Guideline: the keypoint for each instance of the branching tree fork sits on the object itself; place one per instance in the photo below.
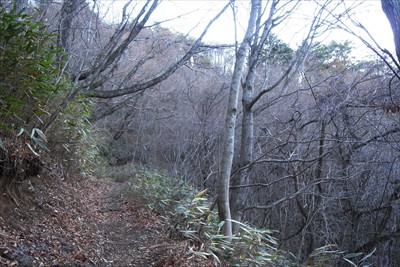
(90, 79)
(263, 19)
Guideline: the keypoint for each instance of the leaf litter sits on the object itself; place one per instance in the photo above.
(86, 223)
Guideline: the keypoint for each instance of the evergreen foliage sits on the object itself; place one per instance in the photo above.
(334, 55)
(276, 51)
(32, 87)
(30, 78)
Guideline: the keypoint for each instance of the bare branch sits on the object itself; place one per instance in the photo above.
(376, 138)
(142, 86)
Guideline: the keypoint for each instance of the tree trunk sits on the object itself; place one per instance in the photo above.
(68, 11)
(392, 11)
(247, 138)
(246, 155)
(90, 81)
(230, 123)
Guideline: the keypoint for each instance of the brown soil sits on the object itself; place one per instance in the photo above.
(87, 223)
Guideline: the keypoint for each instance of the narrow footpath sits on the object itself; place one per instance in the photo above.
(88, 223)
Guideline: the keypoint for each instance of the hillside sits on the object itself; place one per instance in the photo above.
(132, 143)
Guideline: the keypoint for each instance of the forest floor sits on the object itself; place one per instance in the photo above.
(85, 223)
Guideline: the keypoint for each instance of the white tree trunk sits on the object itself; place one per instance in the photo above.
(392, 11)
(230, 123)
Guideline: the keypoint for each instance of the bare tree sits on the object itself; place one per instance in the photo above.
(255, 89)
(229, 138)
(90, 74)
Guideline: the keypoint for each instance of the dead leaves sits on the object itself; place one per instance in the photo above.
(88, 224)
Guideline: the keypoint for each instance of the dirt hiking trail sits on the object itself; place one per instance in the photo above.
(89, 223)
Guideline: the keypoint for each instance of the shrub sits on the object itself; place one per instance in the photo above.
(191, 217)
(72, 139)
(29, 82)
(30, 78)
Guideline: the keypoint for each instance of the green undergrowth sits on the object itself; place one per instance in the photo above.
(73, 140)
(191, 216)
(41, 124)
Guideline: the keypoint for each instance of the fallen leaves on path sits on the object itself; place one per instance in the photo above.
(87, 223)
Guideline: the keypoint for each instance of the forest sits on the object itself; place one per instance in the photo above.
(259, 152)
